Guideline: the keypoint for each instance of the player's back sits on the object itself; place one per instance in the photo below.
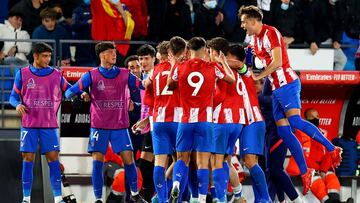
(251, 101)
(196, 88)
(165, 100)
(232, 105)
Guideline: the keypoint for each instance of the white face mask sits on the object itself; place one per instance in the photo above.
(211, 4)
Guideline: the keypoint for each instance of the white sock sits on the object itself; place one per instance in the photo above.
(134, 193)
(27, 199)
(99, 199)
(57, 199)
(194, 199)
(176, 184)
(202, 198)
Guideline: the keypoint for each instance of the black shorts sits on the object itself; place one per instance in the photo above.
(146, 144)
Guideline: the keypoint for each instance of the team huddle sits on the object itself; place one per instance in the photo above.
(195, 104)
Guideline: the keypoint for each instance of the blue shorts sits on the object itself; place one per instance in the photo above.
(225, 136)
(99, 140)
(164, 137)
(252, 139)
(48, 137)
(285, 98)
(194, 137)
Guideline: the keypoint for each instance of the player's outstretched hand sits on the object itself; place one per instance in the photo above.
(21, 109)
(85, 96)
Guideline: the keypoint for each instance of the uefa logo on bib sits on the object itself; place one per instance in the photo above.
(31, 83)
(100, 85)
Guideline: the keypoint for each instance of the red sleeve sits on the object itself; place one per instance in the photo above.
(219, 70)
(274, 38)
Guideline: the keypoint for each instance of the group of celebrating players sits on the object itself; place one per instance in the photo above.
(196, 102)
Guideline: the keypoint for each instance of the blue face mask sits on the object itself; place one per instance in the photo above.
(284, 6)
(211, 4)
(87, 2)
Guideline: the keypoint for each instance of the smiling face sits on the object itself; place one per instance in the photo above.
(147, 62)
(248, 24)
(134, 67)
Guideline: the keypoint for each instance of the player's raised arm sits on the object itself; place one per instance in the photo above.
(229, 76)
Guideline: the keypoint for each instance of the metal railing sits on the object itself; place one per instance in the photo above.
(57, 54)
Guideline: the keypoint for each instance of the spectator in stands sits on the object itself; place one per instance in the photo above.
(50, 30)
(177, 21)
(60, 19)
(324, 23)
(30, 9)
(285, 16)
(139, 13)
(133, 64)
(230, 10)
(209, 21)
(156, 19)
(81, 27)
(14, 52)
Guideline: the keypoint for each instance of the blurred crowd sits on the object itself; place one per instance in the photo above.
(308, 23)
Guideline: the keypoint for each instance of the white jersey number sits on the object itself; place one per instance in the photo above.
(166, 90)
(198, 84)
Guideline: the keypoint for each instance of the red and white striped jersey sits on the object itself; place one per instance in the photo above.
(166, 102)
(268, 39)
(196, 82)
(251, 101)
(228, 102)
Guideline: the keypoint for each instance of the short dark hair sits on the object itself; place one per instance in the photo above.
(103, 46)
(177, 44)
(196, 43)
(48, 13)
(251, 12)
(238, 51)
(130, 58)
(146, 49)
(41, 47)
(308, 110)
(163, 47)
(17, 13)
(219, 44)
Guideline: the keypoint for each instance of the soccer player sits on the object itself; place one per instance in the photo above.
(133, 64)
(269, 47)
(252, 137)
(278, 180)
(196, 82)
(110, 94)
(229, 118)
(36, 95)
(147, 57)
(166, 118)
